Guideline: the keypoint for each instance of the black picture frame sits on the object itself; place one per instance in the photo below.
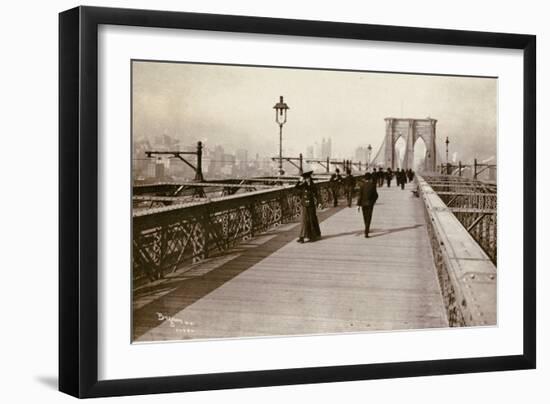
(78, 200)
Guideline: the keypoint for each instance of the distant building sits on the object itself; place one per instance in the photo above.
(229, 166)
(318, 151)
(215, 161)
(241, 157)
(140, 162)
(326, 149)
(362, 154)
(160, 170)
(165, 142)
(150, 169)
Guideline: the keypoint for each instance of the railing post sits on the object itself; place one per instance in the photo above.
(301, 164)
(198, 173)
(475, 169)
(328, 165)
(460, 168)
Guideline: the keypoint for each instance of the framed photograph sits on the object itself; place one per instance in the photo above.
(250, 201)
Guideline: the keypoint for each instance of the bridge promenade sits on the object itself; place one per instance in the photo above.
(270, 285)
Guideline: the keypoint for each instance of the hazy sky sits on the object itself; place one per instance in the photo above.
(233, 106)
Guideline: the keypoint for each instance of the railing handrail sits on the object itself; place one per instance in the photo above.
(218, 200)
(469, 290)
(209, 201)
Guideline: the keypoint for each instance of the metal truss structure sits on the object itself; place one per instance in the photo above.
(474, 203)
(476, 169)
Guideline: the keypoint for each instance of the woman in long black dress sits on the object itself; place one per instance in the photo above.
(310, 224)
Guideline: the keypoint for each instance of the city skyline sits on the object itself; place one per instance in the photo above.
(231, 106)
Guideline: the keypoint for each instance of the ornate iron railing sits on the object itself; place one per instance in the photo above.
(474, 203)
(165, 238)
(466, 274)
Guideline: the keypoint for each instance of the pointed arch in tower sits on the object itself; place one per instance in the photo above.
(411, 130)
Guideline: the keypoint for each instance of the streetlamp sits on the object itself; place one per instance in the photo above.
(280, 118)
(447, 154)
(369, 148)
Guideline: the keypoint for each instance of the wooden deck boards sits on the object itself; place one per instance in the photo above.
(275, 286)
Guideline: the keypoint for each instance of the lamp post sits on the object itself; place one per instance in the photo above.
(369, 148)
(280, 118)
(447, 153)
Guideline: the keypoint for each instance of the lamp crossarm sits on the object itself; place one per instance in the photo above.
(485, 167)
(322, 163)
(174, 155)
(288, 159)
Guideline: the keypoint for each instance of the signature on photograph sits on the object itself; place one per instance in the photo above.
(180, 325)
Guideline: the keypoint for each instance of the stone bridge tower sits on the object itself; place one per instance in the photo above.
(411, 130)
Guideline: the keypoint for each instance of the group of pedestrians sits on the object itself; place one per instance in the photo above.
(401, 176)
(337, 181)
(366, 197)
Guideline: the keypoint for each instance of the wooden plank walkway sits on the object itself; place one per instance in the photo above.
(275, 286)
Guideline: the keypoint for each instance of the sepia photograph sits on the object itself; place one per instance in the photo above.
(282, 201)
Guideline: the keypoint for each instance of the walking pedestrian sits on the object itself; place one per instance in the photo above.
(308, 199)
(335, 181)
(366, 199)
(402, 178)
(349, 186)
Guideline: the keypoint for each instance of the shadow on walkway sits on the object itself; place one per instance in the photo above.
(347, 233)
(381, 232)
(188, 291)
(373, 232)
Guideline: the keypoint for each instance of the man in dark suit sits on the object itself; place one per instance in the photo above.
(376, 176)
(366, 199)
(381, 177)
(349, 186)
(402, 178)
(335, 181)
(389, 176)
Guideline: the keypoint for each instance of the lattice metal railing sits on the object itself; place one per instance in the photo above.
(474, 203)
(168, 237)
(466, 273)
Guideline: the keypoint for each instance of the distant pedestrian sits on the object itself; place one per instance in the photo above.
(335, 182)
(308, 199)
(381, 177)
(389, 176)
(349, 186)
(366, 199)
(402, 178)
